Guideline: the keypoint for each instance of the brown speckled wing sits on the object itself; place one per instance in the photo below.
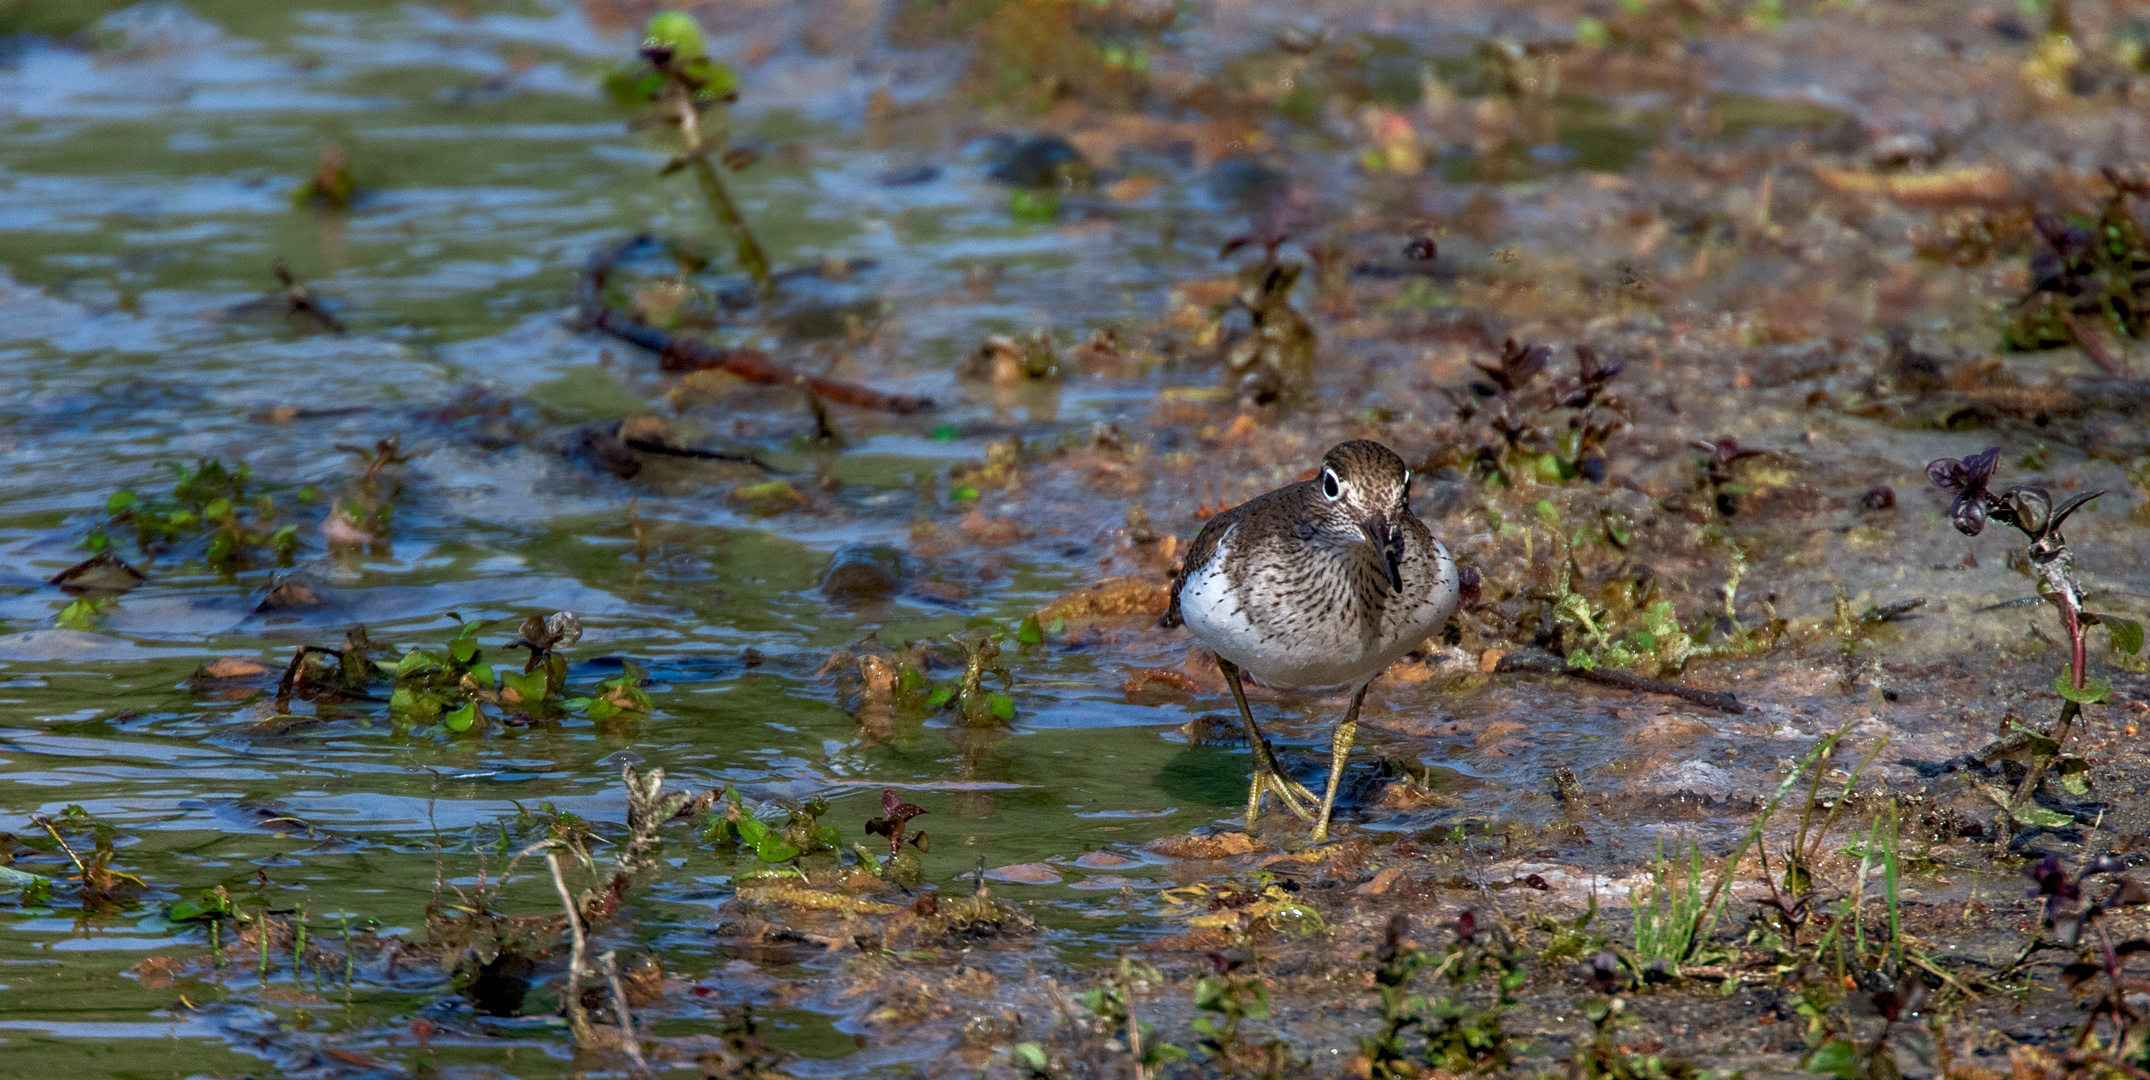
(1198, 555)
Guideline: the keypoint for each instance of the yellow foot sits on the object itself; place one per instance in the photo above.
(1267, 782)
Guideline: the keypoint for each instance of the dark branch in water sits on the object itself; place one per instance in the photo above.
(1621, 680)
(684, 354)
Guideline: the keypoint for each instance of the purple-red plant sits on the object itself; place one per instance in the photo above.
(895, 815)
(2031, 511)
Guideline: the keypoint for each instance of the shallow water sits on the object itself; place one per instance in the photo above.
(143, 195)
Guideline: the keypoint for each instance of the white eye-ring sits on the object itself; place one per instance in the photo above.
(1330, 486)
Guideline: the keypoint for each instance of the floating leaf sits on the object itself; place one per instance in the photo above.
(1030, 633)
(80, 614)
(462, 719)
(773, 848)
(517, 688)
(1003, 706)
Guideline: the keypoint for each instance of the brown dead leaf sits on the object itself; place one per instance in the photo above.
(990, 531)
(1382, 882)
(1215, 846)
(1110, 597)
(230, 667)
(1970, 184)
(1141, 678)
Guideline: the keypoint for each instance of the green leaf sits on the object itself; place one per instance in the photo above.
(2127, 633)
(1837, 1058)
(529, 689)
(940, 695)
(1547, 512)
(909, 680)
(81, 614)
(218, 509)
(2093, 692)
(463, 649)
(773, 848)
(1034, 206)
(482, 674)
(750, 829)
(416, 661)
(122, 501)
(1029, 632)
(2042, 817)
(1031, 1055)
(462, 719)
(963, 493)
(17, 879)
(1003, 706)
(678, 32)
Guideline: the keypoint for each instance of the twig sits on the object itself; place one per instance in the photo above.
(621, 1013)
(578, 1021)
(684, 354)
(1622, 680)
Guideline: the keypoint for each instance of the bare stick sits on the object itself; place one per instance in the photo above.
(620, 1012)
(1622, 680)
(685, 354)
(578, 1021)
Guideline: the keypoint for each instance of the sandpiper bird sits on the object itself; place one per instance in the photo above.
(1322, 583)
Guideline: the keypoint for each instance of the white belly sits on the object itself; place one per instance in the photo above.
(1284, 648)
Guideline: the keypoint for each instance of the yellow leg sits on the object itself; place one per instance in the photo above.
(1267, 775)
(1339, 753)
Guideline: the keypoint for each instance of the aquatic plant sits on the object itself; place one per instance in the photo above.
(1274, 363)
(2090, 278)
(98, 886)
(1113, 1003)
(2076, 921)
(1459, 1031)
(1552, 433)
(210, 502)
(1227, 998)
(331, 187)
(675, 81)
(2033, 512)
(737, 826)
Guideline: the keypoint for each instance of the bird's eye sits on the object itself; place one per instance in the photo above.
(1329, 485)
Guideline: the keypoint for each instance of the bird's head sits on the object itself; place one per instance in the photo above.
(1365, 486)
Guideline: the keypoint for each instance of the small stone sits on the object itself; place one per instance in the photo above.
(230, 667)
(1101, 859)
(1669, 731)
(1031, 873)
(1689, 777)
(863, 572)
(1382, 882)
(1218, 846)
